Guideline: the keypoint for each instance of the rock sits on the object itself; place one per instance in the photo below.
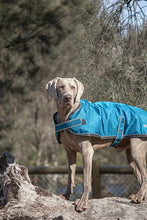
(115, 208)
(20, 200)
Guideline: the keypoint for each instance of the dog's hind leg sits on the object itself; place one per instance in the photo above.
(134, 166)
(138, 153)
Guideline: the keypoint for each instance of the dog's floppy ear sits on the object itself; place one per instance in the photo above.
(51, 88)
(80, 89)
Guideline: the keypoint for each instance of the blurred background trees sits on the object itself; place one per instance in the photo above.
(42, 39)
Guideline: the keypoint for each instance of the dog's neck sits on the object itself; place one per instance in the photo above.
(63, 112)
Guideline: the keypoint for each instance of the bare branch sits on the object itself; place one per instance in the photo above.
(126, 13)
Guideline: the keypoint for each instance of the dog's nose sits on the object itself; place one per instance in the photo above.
(67, 98)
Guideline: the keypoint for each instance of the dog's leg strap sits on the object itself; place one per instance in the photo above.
(120, 131)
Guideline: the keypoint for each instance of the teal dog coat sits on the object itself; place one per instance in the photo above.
(106, 120)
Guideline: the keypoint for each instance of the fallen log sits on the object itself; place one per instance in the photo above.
(20, 200)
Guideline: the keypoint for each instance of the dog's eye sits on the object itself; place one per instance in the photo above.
(61, 87)
(73, 87)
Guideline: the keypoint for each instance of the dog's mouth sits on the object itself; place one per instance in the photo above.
(67, 106)
(68, 101)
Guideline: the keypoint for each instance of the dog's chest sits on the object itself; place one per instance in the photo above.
(69, 141)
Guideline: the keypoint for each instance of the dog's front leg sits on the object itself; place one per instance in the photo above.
(87, 154)
(71, 155)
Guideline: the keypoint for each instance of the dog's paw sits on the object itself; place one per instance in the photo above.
(62, 196)
(80, 206)
(136, 198)
(77, 201)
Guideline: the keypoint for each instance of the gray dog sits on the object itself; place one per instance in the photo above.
(67, 93)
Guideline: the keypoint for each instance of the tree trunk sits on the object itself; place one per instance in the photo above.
(20, 200)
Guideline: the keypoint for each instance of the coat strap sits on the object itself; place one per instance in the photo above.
(120, 131)
(69, 124)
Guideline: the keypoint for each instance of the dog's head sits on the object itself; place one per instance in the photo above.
(65, 91)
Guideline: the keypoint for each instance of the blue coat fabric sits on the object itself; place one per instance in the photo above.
(106, 120)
